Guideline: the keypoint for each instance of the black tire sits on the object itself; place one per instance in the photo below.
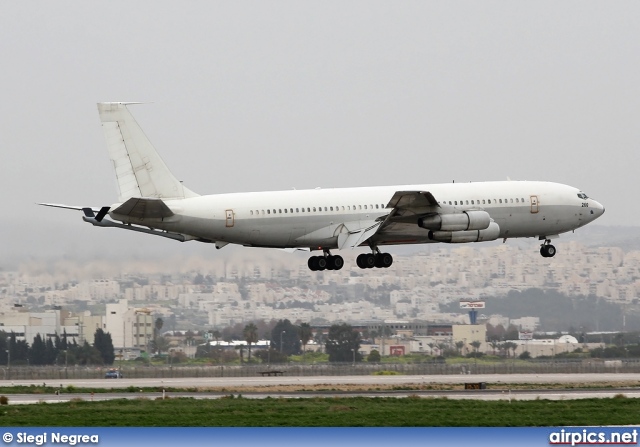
(369, 261)
(330, 264)
(543, 251)
(385, 260)
(360, 261)
(551, 251)
(338, 262)
(322, 263)
(312, 263)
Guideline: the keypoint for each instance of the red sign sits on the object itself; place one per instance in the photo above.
(396, 350)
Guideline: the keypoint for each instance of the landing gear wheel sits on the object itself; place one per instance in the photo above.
(322, 263)
(312, 263)
(360, 261)
(384, 260)
(330, 265)
(548, 251)
(369, 261)
(338, 262)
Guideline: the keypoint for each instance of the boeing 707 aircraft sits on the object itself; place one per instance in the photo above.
(151, 200)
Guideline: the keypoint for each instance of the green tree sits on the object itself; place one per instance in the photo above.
(374, 356)
(343, 343)
(103, 343)
(250, 334)
(305, 333)
(284, 338)
(158, 327)
(87, 355)
(38, 351)
(476, 345)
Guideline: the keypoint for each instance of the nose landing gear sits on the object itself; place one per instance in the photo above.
(547, 250)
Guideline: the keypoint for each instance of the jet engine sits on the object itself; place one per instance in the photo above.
(467, 220)
(455, 237)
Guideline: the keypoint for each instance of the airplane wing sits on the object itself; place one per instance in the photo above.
(405, 207)
(415, 200)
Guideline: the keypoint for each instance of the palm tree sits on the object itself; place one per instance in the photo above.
(250, 334)
(158, 326)
(476, 344)
(305, 333)
(459, 346)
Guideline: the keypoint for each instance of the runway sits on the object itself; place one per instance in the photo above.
(589, 386)
(229, 382)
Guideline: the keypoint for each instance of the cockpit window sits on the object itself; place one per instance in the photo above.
(582, 195)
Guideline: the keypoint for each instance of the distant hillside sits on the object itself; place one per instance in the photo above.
(559, 312)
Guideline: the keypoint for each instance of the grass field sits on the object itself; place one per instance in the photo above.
(412, 411)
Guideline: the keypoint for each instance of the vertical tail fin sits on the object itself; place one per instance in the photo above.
(140, 172)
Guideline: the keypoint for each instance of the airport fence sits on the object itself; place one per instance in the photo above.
(45, 373)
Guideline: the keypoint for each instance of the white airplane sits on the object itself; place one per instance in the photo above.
(151, 200)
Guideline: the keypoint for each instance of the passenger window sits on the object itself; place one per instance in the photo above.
(472, 202)
(251, 212)
(268, 211)
(510, 200)
(500, 200)
(365, 207)
(314, 209)
(280, 211)
(488, 201)
(376, 206)
(517, 200)
(325, 208)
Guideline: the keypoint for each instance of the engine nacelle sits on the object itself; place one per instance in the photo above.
(456, 237)
(467, 220)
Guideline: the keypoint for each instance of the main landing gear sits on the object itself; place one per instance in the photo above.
(371, 260)
(547, 250)
(325, 262)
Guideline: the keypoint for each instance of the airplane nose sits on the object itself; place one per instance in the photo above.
(598, 208)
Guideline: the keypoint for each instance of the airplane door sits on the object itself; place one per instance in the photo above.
(534, 204)
(229, 221)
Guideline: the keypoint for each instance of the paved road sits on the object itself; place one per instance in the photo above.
(215, 382)
(625, 384)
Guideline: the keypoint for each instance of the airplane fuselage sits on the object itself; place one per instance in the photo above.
(314, 218)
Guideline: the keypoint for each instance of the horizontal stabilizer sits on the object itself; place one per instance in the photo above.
(144, 209)
(88, 212)
(71, 207)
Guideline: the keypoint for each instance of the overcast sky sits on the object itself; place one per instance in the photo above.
(249, 96)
